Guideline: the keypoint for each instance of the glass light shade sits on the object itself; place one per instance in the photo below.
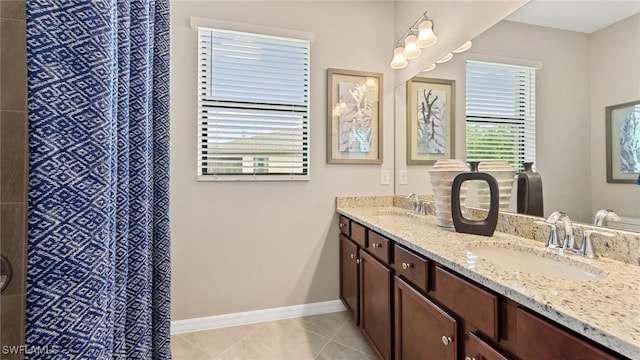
(464, 47)
(398, 62)
(445, 58)
(426, 37)
(430, 67)
(411, 49)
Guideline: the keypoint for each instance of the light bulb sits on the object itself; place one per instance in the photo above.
(445, 58)
(411, 50)
(426, 37)
(464, 47)
(398, 62)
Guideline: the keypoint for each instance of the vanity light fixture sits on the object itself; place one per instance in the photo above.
(412, 43)
(411, 49)
(398, 62)
(445, 58)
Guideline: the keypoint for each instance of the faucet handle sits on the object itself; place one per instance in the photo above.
(586, 248)
(552, 241)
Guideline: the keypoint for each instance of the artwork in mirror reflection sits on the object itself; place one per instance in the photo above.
(430, 107)
(432, 125)
(623, 142)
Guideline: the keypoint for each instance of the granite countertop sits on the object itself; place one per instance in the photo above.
(606, 311)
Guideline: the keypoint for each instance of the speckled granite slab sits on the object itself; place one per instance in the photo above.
(606, 311)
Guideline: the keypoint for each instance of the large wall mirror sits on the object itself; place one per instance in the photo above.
(581, 71)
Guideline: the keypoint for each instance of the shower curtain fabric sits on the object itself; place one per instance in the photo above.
(98, 267)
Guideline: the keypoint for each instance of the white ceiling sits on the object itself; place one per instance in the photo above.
(584, 16)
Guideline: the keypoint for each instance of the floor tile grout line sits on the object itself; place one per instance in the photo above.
(331, 339)
(242, 339)
(345, 345)
(195, 346)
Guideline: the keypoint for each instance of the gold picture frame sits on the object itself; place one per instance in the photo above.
(354, 117)
(430, 120)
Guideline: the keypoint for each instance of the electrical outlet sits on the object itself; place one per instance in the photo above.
(384, 177)
(402, 177)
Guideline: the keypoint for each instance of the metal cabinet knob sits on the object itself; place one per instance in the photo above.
(357, 261)
(353, 256)
(342, 225)
(446, 340)
(376, 245)
(469, 358)
(406, 266)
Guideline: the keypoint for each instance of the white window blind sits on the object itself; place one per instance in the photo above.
(500, 112)
(253, 106)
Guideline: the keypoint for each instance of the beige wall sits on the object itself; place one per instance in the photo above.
(615, 79)
(244, 246)
(562, 95)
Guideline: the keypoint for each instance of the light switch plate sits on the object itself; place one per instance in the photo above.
(402, 177)
(384, 177)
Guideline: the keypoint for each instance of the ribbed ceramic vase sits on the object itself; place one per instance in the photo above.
(504, 174)
(442, 174)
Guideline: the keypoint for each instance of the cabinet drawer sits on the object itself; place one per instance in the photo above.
(358, 234)
(538, 339)
(345, 225)
(411, 267)
(470, 302)
(483, 351)
(378, 246)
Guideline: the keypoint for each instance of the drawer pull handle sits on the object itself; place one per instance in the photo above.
(376, 245)
(446, 340)
(353, 256)
(406, 266)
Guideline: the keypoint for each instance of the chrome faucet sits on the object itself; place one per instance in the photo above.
(605, 215)
(569, 241)
(417, 206)
(553, 241)
(586, 248)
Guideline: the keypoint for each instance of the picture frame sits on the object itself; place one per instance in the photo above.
(354, 117)
(622, 134)
(430, 120)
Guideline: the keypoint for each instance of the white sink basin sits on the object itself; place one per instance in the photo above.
(536, 262)
(395, 215)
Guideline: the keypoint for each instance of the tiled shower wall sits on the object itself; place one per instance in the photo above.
(13, 168)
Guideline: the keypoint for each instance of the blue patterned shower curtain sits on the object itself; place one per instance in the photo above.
(98, 268)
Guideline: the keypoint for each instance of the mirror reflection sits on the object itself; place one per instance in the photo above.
(577, 74)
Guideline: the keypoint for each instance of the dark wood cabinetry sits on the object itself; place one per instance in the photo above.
(375, 304)
(349, 293)
(410, 307)
(423, 329)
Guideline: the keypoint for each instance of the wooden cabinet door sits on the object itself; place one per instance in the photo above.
(483, 351)
(423, 330)
(349, 276)
(375, 304)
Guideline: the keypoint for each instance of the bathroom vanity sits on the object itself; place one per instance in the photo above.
(418, 292)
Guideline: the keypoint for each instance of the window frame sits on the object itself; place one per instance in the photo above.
(196, 24)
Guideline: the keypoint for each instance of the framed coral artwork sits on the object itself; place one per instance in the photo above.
(354, 117)
(623, 142)
(430, 120)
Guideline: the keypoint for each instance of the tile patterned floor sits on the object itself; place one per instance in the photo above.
(324, 337)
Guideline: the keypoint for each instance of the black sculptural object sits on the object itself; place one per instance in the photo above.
(484, 227)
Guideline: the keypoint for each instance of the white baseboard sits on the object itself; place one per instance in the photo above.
(257, 316)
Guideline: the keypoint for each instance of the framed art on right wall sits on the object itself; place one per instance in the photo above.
(623, 142)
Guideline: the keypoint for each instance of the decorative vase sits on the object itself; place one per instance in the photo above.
(486, 226)
(504, 174)
(530, 192)
(442, 174)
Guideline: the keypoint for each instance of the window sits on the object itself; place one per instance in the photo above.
(500, 112)
(253, 106)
